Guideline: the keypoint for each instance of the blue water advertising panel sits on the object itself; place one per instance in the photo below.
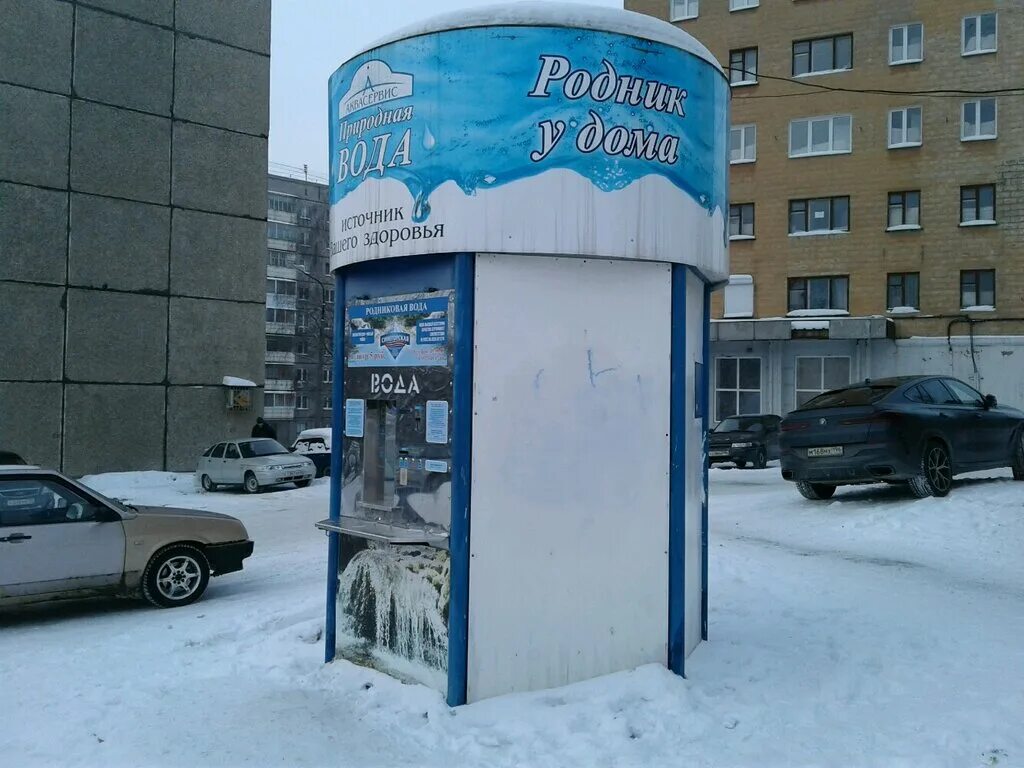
(528, 140)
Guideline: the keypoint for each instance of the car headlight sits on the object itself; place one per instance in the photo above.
(276, 467)
(741, 445)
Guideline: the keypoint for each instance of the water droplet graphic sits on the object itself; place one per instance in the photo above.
(428, 138)
(488, 179)
(573, 123)
(421, 209)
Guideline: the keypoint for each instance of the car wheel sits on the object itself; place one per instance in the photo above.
(761, 461)
(251, 484)
(1018, 458)
(740, 464)
(175, 576)
(208, 484)
(816, 491)
(936, 477)
(302, 483)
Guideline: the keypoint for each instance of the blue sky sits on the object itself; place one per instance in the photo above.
(309, 40)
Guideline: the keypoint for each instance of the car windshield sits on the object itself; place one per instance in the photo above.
(739, 424)
(865, 394)
(265, 447)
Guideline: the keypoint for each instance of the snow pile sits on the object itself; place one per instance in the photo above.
(871, 630)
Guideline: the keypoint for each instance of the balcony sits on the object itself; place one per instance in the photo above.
(279, 357)
(280, 412)
(280, 301)
(279, 385)
(284, 273)
(287, 329)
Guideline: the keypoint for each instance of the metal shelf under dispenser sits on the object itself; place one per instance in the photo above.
(377, 531)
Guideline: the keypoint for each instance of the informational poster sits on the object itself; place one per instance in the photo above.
(405, 333)
(437, 421)
(529, 139)
(355, 416)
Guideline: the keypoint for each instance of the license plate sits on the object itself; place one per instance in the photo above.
(20, 502)
(830, 450)
(716, 454)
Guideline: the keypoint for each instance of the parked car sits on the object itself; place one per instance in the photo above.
(253, 463)
(60, 539)
(921, 430)
(749, 439)
(315, 444)
(11, 458)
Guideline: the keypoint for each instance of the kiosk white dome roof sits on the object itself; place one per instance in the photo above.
(533, 13)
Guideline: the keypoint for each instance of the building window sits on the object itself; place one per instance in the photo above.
(743, 66)
(280, 203)
(277, 230)
(279, 258)
(278, 399)
(303, 291)
(905, 127)
(737, 386)
(328, 376)
(906, 44)
(977, 288)
(276, 287)
(820, 136)
(979, 34)
(815, 375)
(327, 403)
(302, 347)
(742, 5)
(329, 295)
(327, 267)
(302, 402)
(681, 10)
(819, 216)
(301, 375)
(819, 293)
(904, 210)
(742, 144)
(739, 296)
(978, 120)
(903, 290)
(280, 315)
(978, 204)
(822, 55)
(741, 221)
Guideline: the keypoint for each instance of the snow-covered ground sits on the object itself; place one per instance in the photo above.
(872, 630)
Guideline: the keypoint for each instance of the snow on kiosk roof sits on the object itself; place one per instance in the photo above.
(543, 14)
(527, 219)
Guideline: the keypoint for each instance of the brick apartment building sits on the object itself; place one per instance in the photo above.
(876, 190)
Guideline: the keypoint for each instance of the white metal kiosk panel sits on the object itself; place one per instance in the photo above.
(570, 471)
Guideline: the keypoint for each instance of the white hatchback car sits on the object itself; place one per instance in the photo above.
(253, 464)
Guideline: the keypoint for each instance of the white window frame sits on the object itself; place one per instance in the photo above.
(753, 221)
(903, 208)
(691, 10)
(964, 135)
(978, 222)
(963, 34)
(888, 128)
(893, 61)
(744, 70)
(734, 388)
(742, 5)
(744, 144)
(302, 402)
(301, 376)
(810, 132)
(821, 374)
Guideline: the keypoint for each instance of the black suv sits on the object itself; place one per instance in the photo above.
(751, 439)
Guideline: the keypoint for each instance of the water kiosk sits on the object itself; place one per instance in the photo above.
(527, 218)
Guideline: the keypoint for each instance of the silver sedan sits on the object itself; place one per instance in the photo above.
(253, 464)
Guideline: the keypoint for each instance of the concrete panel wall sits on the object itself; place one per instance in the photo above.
(100, 102)
(196, 418)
